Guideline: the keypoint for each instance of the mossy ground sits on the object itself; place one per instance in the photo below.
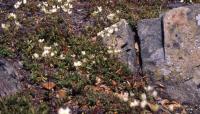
(78, 82)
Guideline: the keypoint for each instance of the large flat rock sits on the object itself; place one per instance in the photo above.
(119, 39)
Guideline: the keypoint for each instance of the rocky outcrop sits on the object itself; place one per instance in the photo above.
(170, 51)
(119, 39)
(9, 78)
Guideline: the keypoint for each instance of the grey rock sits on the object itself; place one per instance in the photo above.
(151, 44)
(177, 67)
(9, 78)
(119, 38)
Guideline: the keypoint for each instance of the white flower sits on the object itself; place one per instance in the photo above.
(47, 48)
(52, 54)
(134, 103)
(84, 60)
(143, 96)
(45, 4)
(125, 97)
(12, 15)
(116, 29)
(69, 12)
(46, 51)
(111, 16)
(44, 10)
(5, 26)
(110, 30)
(54, 10)
(107, 28)
(17, 24)
(59, 1)
(39, 5)
(98, 80)
(58, 7)
(41, 40)
(99, 9)
(154, 93)
(64, 111)
(70, 6)
(114, 25)
(66, 4)
(17, 4)
(62, 56)
(143, 104)
(93, 62)
(24, 1)
(55, 44)
(117, 50)
(108, 35)
(35, 55)
(83, 52)
(92, 56)
(100, 34)
(73, 55)
(148, 88)
(110, 51)
(77, 63)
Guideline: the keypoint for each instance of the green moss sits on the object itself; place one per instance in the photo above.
(4, 52)
(20, 104)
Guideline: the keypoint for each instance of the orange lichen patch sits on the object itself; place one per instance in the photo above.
(48, 85)
(61, 93)
(178, 16)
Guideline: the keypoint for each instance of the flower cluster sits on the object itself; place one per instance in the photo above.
(113, 50)
(111, 16)
(99, 10)
(19, 3)
(11, 17)
(84, 60)
(64, 111)
(47, 51)
(108, 31)
(5, 26)
(64, 5)
(142, 101)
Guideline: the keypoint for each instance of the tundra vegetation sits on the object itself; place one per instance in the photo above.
(57, 43)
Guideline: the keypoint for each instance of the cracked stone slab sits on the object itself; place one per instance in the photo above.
(120, 39)
(9, 78)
